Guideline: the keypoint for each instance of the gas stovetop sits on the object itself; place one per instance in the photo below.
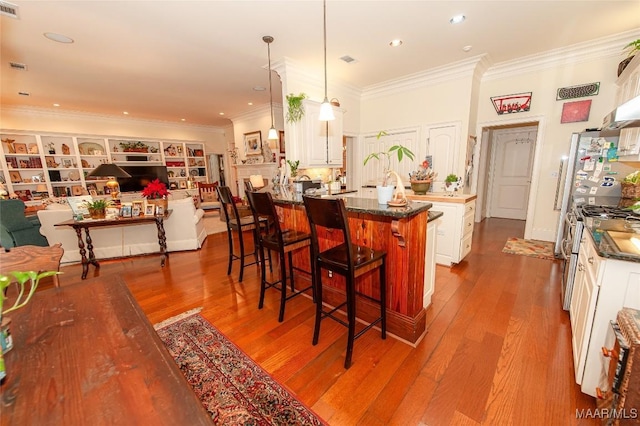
(605, 212)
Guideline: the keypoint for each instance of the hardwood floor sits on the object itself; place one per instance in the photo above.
(497, 350)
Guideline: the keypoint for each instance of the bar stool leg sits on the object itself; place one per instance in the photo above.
(383, 300)
(283, 284)
(241, 239)
(263, 277)
(230, 238)
(317, 284)
(351, 318)
(291, 271)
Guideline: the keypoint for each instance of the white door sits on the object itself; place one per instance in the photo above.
(512, 162)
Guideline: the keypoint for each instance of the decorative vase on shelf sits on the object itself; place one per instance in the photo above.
(162, 202)
(99, 213)
(420, 187)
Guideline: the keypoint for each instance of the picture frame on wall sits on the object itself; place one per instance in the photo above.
(253, 143)
(15, 177)
(20, 148)
(281, 141)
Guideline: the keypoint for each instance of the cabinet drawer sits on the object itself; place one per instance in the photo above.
(468, 224)
(470, 208)
(465, 246)
(591, 259)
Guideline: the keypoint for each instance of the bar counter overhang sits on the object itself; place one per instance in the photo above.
(400, 231)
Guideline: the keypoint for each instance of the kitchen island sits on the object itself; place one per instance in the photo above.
(400, 231)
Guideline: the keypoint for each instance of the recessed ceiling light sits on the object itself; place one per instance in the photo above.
(259, 88)
(250, 103)
(58, 37)
(467, 48)
(125, 112)
(221, 113)
(395, 43)
(56, 105)
(457, 19)
(183, 119)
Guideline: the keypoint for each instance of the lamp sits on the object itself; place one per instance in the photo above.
(111, 172)
(257, 181)
(273, 134)
(326, 112)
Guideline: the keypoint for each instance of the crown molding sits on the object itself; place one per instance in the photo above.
(453, 71)
(605, 47)
(256, 112)
(49, 112)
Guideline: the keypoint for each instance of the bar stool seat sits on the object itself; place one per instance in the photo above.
(283, 241)
(346, 259)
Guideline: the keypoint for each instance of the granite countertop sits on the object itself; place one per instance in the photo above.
(356, 204)
(604, 241)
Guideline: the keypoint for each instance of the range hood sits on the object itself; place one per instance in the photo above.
(626, 115)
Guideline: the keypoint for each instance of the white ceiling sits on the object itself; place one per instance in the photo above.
(173, 60)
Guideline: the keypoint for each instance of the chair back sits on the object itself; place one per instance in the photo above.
(207, 191)
(248, 186)
(264, 210)
(327, 213)
(226, 201)
(16, 229)
(32, 258)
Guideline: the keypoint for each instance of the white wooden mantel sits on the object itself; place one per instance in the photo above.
(243, 171)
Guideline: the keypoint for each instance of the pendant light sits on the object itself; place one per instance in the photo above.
(273, 134)
(326, 111)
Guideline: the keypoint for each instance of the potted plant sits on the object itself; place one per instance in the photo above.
(23, 298)
(632, 48)
(451, 182)
(293, 166)
(134, 146)
(385, 191)
(421, 179)
(295, 108)
(98, 208)
(156, 193)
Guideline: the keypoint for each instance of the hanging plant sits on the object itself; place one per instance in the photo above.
(295, 110)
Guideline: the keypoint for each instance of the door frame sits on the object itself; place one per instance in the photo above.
(482, 180)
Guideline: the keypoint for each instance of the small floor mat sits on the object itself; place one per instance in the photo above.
(532, 248)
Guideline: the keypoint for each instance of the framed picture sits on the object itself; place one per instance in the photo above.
(281, 141)
(253, 143)
(159, 211)
(576, 111)
(139, 204)
(150, 210)
(77, 189)
(125, 210)
(93, 192)
(15, 177)
(135, 211)
(183, 184)
(51, 162)
(20, 148)
(33, 148)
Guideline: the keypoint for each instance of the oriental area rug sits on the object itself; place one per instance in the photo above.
(232, 387)
(532, 248)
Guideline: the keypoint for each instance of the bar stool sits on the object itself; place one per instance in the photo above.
(238, 224)
(346, 259)
(283, 241)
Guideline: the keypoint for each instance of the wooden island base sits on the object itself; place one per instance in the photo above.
(403, 238)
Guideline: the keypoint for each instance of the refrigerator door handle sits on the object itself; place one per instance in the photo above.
(558, 186)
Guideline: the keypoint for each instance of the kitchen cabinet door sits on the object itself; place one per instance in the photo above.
(321, 145)
(443, 145)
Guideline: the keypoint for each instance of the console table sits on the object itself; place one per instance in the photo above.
(79, 225)
(85, 354)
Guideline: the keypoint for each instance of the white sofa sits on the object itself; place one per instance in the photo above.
(184, 230)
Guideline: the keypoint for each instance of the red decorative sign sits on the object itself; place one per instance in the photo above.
(509, 104)
(573, 112)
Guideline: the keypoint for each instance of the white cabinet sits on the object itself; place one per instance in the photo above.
(443, 145)
(430, 263)
(316, 143)
(603, 287)
(454, 233)
(629, 82)
(629, 144)
(372, 173)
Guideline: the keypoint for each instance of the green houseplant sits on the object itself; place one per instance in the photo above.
(295, 108)
(631, 49)
(134, 146)
(385, 191)
(293, 166)
(451, 182)
(421, 178)
(98, 208)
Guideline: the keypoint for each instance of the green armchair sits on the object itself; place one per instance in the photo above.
(16, 229)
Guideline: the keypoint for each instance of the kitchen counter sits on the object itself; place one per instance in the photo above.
(614, 238)
(445, 197)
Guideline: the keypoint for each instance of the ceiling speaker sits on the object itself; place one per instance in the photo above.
(580, 91)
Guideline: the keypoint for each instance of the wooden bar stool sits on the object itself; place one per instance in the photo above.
(346, 259)
(282, 241)
(238, 224)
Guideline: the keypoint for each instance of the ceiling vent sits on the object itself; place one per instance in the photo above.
(8, 9)
(24, 93)
(348, 59)
(17, 66)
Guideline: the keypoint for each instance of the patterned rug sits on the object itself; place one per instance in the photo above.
(232, 388)
(532, 248)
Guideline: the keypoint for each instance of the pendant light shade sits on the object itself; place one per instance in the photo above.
(273, 134)
(326, 111)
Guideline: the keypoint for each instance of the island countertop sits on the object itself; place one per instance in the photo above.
(357, 205)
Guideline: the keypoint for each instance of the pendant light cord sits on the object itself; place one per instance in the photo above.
(268, 40)
(324, 4)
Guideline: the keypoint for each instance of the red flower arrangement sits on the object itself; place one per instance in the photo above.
(155, 190)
